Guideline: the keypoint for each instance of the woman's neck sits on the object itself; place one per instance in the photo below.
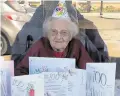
(58, 50)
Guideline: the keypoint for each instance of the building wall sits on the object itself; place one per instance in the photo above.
(116, 5)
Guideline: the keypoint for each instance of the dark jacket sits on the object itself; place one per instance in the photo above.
(42, 48)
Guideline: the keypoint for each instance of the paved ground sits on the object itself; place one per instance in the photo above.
(109, 29)
(100, 23)
(112, 39)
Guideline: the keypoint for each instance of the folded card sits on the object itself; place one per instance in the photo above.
(5, 86)
(41, 64)
(56, 83)
(28, 85)
(6, 71)
(77, 82)
(1, 59)
(101, 79)
(10, 65)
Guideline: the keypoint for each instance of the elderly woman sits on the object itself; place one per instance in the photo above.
(58, 42)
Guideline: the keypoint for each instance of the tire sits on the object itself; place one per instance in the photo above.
(4, 44)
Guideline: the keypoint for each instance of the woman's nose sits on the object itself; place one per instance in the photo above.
(58, 36)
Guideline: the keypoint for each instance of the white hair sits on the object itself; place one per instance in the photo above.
(73, 26)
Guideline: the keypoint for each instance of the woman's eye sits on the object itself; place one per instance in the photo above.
(64, 33)
(54, 32)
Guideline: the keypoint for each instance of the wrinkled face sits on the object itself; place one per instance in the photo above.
(59, 35)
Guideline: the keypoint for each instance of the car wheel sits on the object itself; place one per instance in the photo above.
(4, 45)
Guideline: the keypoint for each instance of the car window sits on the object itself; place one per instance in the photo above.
(16, 6)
